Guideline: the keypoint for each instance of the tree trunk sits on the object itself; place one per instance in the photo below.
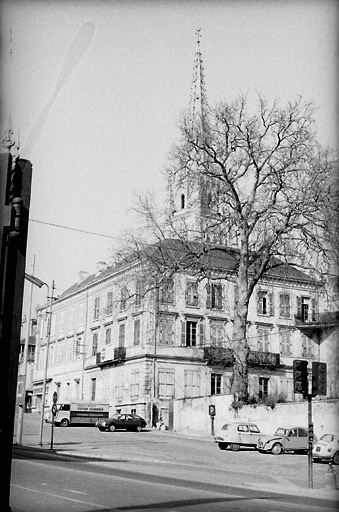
(240, 344)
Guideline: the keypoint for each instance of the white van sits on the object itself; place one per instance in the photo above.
(78, 413)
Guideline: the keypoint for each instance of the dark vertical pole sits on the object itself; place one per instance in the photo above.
(212, 425)
(15, 181)
(310, 442)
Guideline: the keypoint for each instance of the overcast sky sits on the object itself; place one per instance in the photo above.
(106, 121)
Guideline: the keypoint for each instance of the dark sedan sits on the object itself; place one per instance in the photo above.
(121, 422)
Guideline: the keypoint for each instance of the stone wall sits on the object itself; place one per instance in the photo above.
(192, 414)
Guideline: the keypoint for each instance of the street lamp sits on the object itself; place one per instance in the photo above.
(37, 282)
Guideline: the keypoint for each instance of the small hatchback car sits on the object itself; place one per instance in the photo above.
(327, 448)
(121, 422)
(234, 435)
(284, 440)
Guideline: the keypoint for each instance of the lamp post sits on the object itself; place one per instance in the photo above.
(24, 364)
(43, 398)
(37, 282)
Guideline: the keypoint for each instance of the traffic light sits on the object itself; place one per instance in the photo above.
(300, 380)
(319, 378)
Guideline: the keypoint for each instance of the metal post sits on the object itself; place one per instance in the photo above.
(52, 430)
(310, 442)
(24, 364)
(46, 363)
(212, 425)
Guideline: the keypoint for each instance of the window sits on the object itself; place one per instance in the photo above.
(192, 296)
(123, 299)
(166, 331)
(214, 296)
(134, 385)
(108, 336)
(284, 305)
(166, 384)
(263, 339)
(94, 344)
(216, 383)
(217, 333)
(265, 303)
(306, 309)
(62, 322)
(307, 346)
(93, 388)
(136, 338)
(285, 342)
(189, 333)
(139, 291)
(96, 308)
(121, 335)
(243, 428)
(167, 291)
(109, 309)
(263, 386)
(81, 312)
(191, 383)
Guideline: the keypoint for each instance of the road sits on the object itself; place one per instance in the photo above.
(45, 481)
(155, 470)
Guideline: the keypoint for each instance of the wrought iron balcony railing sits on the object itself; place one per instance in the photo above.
(222, 356)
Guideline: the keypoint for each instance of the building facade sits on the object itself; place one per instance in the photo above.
(139, 350)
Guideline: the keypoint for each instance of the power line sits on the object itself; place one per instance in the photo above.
(75, 229)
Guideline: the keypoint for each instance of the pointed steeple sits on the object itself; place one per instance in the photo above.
(198, 106)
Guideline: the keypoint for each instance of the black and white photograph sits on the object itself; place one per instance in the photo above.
(169, 266)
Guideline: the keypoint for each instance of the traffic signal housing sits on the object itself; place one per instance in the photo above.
(319, 378)
(300, 380)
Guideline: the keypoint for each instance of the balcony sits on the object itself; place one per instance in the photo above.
(222, 356)
(111, 355)
(318, 322)
(120, 354)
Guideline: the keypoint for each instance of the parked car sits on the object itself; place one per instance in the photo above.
(327, 448)
(121, 422)
(234, 435)
(284, 440)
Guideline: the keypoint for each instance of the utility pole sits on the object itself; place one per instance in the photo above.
(49, 321)
(24, 365)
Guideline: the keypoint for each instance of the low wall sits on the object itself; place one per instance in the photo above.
(192, 414)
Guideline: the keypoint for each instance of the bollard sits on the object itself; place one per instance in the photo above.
(330, 478)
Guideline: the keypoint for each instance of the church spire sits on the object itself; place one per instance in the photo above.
(198, 98)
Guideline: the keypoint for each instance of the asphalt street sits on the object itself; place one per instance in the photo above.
(156, 470)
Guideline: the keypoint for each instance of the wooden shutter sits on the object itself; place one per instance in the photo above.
(208, 296)
(271, 303)
(299, 314)
(201, 333)
(183, 333)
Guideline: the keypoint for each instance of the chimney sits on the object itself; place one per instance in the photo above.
(82, 275)
(101, 267)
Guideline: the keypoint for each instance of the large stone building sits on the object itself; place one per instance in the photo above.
(111, 342)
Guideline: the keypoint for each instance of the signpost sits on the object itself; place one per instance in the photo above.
(54, 411)
(211, 411)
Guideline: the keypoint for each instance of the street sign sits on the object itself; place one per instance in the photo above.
(211, 410)
(55, 397)
(54, 409)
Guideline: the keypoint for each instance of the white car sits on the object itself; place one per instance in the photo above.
(327, 448)
(234, 435)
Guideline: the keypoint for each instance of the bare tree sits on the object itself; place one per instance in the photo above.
(262, 187)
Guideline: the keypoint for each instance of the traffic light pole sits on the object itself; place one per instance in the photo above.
(310, 442)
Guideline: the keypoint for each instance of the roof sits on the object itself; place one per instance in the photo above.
(182, 256)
